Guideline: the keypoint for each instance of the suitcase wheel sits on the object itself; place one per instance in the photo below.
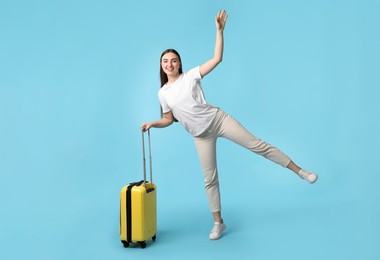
(142, 244)
(154, 238)
(125, 244)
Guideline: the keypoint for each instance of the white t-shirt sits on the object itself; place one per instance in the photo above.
(185, 99)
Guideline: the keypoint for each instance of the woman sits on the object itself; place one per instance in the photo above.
(182, 99)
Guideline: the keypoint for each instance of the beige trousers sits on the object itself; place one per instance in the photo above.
(225, 126)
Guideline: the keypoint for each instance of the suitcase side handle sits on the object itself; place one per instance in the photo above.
(149, 190)
(150, 157)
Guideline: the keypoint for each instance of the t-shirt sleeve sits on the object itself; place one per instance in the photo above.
(195, 73)
(164, 105)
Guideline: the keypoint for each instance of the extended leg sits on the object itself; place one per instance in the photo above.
(234, 131)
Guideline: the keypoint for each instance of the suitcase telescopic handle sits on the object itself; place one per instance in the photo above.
(150, 158)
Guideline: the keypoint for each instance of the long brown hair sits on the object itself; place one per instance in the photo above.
(163, 77)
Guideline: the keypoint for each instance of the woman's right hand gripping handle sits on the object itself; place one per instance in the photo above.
(146, 126)
(165, 121)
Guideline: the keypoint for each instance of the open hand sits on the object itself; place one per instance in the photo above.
(220, 20)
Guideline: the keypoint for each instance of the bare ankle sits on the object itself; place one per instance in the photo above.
(217, 217)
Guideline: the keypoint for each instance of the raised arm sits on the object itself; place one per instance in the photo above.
(208, 66)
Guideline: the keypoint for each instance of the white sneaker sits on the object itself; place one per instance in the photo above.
(217, 230)
(309, 176)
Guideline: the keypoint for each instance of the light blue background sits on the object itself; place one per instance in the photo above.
(79, 77)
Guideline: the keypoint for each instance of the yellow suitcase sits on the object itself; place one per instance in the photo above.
(138, 213)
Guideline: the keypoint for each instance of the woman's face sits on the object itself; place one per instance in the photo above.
(170, 64)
